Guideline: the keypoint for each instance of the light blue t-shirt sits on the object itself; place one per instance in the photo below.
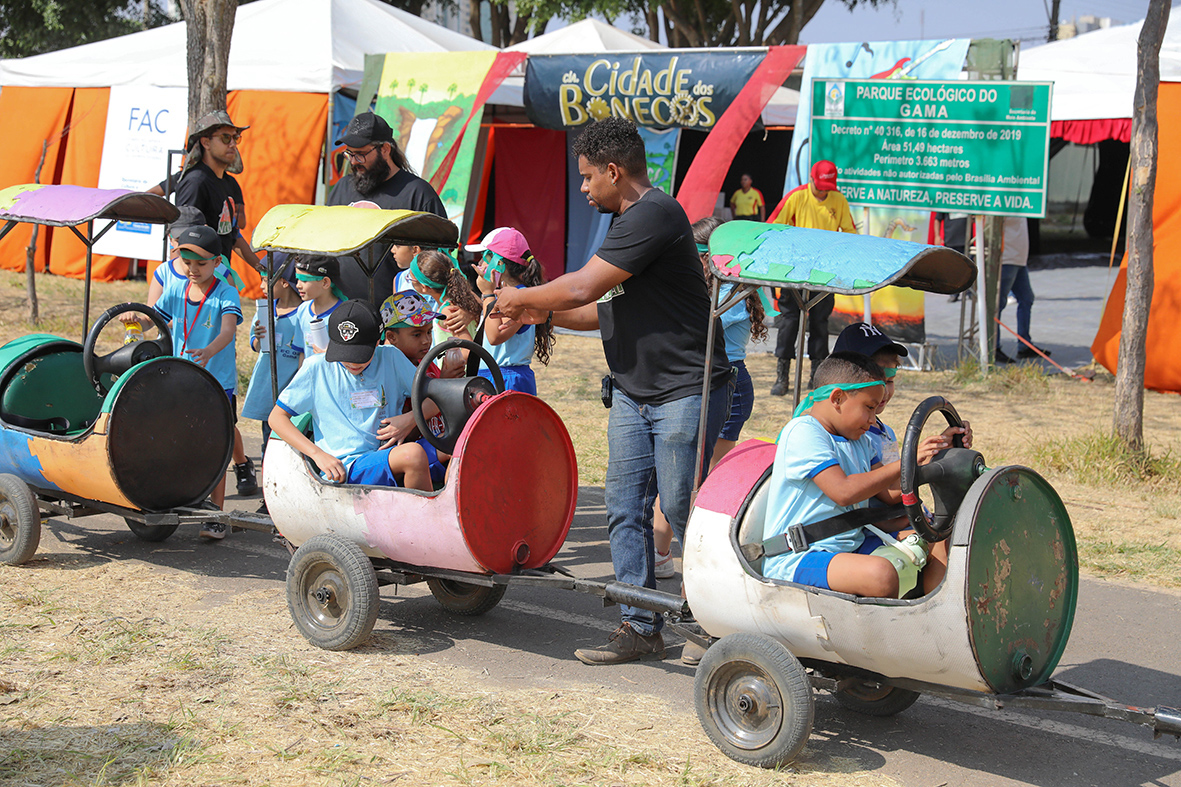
(202, 323)
(402, 281)
(735, 326)
(887, 447)
(288, 349)
(805, 449)
(304, 316)
(347, 408)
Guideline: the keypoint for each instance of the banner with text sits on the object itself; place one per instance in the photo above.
(685, 90)
(972, 147)
(143, 124)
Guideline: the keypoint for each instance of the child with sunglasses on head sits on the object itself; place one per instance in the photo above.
(506, 261)
(205, 311)
(316, 279)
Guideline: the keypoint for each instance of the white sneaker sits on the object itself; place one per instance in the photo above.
(214, 530)
(664, 565)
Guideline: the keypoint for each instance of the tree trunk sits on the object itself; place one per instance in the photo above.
(31, 251)
(473, 19)
(1129, 374)
(209, 24)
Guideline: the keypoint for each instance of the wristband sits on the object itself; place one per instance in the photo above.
(488, 295)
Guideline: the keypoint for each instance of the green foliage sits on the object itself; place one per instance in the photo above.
(31, 27)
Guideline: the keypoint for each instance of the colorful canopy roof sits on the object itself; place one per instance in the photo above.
(340, 229)
(64, 206)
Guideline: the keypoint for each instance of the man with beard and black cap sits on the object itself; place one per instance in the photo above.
(380, 178)
(207, 184)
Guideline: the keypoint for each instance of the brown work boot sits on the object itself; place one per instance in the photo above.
(782, 374)
(626, 644)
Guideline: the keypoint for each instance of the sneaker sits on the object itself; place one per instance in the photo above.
(1002, 356)
(664, 565)
(247, 485)
(691, 654)
(1030, 352)
(213, 530)
(626, 644)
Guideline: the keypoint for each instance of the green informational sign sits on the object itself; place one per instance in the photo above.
(959, 147)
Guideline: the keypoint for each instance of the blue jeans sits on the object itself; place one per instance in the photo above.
(1015, 278)
(651, 451)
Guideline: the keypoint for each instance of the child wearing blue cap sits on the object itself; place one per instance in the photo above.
(826, 464)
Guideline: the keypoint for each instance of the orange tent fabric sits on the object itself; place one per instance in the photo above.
(1162, 370)
(80, 165)
(280, 155)
(28, 116)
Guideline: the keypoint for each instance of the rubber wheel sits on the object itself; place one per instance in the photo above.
(150, 532)
(754, 700)
(332, 592)
(20, 521)
(875, 699)
(463, 598)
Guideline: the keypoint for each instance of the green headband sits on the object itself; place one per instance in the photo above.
(702, 248)
(825, 391)
(301, 276)
(230, 276)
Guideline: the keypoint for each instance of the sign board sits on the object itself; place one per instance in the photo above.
(661, 89)
(143, 123)
(978, 147)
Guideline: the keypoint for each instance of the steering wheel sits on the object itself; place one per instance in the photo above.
(949, 474)
(456, 398)
(128, 355)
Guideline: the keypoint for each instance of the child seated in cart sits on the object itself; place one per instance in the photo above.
(351, 392)
(826, 464)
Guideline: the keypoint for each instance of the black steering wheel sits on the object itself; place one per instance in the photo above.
(128, 355)
(950, 473)
(456, 398)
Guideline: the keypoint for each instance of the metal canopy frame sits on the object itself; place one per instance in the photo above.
(117, 205)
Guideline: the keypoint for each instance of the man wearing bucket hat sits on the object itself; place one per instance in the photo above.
(817, 205)
(207, 184)
(380, 178)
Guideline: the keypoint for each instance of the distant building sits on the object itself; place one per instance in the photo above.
(457, 16)
(1085, 24)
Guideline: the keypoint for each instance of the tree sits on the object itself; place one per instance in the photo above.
(31, 27)
(1129, 374)
(209, 27)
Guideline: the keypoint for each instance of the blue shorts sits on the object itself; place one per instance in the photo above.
(372, 469)
(742, 403)
(516, 378)
(233, 403)
(813, 566)
(437, 468)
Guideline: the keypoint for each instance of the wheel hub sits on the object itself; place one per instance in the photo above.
(323, 595)
(747, 706)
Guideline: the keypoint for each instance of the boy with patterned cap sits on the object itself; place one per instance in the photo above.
(354, 392)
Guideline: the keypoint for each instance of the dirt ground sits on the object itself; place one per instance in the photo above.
(106, 679)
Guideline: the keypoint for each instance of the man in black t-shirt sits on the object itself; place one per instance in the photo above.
(380, 178)
(206, 185)
(645, 292)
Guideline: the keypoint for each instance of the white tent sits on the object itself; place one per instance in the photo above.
(1094, 74)
(291, 45)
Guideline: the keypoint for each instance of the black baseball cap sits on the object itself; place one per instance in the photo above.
(863, 338)
(354, 328)
(364, 129)
(201, 240)
(324, 267)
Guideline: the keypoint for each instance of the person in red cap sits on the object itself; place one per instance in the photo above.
(817, 205)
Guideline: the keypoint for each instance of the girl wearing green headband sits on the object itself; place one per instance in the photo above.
(437, 274)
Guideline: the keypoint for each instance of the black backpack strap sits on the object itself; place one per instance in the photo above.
(798, 537)
(473, 360)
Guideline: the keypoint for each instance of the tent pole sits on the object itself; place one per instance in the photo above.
(867, 315)
(270, 274)
(708, 373)
(982, 297)
(328, 146)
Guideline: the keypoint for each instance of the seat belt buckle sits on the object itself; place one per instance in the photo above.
(796, 538)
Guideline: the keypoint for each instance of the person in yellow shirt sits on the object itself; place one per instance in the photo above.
(817, 205)
(748, 203)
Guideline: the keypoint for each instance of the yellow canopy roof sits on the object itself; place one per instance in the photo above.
(339, 229)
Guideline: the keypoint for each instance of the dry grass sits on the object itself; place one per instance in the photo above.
(125, 674)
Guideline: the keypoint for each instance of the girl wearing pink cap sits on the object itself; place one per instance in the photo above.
(507, 262)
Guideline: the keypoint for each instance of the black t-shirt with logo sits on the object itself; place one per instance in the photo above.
(403, 191)
(218, 199)
(654, 325)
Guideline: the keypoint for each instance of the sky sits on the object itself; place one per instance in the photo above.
(1027, 20)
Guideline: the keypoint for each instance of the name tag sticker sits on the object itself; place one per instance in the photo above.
(362, 400)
